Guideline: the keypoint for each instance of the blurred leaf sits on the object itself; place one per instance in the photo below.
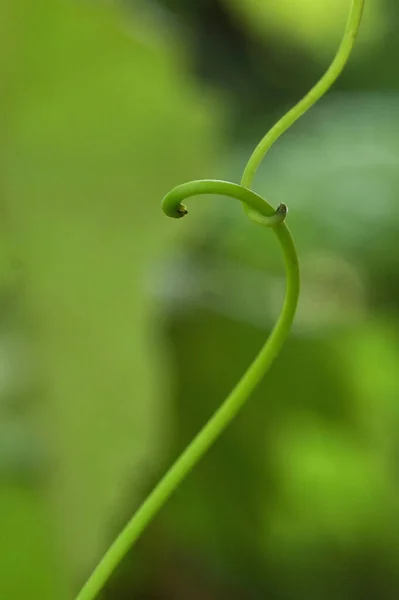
(104, 124)
(29, 567)
(315, 24)
(335, 525)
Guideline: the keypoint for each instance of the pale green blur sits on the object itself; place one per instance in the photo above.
(121, 330)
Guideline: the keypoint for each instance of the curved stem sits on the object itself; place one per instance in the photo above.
(237, 398)
(256, 206)
(328, 79)
(260, 212)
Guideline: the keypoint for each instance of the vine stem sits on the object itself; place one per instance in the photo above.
(230, 407)
(261, 212)
(323, 85)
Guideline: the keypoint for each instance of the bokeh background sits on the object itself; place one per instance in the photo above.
(121, 331)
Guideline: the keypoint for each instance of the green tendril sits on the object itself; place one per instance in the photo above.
(328, 79)
(258, 209)
(260, 212)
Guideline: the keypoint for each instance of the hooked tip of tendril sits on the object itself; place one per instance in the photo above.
(173, 211)
(282, 209)
(182, 210)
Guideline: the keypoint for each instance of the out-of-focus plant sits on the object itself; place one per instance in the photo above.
(80, 250)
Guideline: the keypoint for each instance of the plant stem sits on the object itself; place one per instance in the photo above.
(328, 79)
(261, 212)
(230, 407)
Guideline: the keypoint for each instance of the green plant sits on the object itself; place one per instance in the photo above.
(260, 212)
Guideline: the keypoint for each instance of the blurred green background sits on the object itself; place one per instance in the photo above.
(121, 331)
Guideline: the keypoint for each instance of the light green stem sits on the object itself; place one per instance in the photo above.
(233, 402)
(262, 213)
(331, 75)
